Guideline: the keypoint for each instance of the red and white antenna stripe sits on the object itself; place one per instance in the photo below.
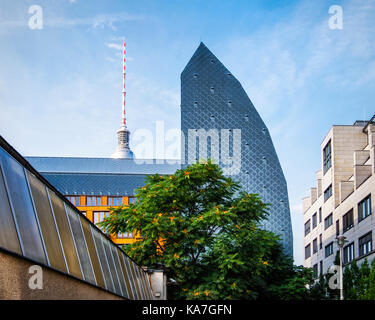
(123, 89)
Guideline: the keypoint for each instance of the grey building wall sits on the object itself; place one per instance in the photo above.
(212, 98)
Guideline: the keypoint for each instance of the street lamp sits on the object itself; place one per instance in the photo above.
(341, 241)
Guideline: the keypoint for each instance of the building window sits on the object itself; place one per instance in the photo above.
(364, 208)
(315, 245)
(320, 242)
(320, 215)
(93, 201)
(328, 193)
(75, 200)
(329, 249)
(321, 267)
(365, 244)
(307, 227)
(314, 221)
(328, 221)
(131, 200)
(337, 228)
(327, 157)
(307, 251)
(315, 270)
(347, 221)
(84, 213)
(114, 201)
(125, 235)
(99, 217)
(348, 253)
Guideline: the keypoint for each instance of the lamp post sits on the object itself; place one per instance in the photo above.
(341, 242)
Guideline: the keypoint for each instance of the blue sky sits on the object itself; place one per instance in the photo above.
(60, 87)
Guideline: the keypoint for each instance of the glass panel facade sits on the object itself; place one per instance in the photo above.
(135, 279)
(47, 223)
(131, 276)
(92, 251)
(81, 247)
(144, 278)
(119, 272)
(8, 233)
(23, 208)
(125, 274)
(40, 224)
(138, 273)
(65, 235)
(111, 264)
(103, 259)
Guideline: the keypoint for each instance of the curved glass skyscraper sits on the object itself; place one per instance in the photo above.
(219, 121)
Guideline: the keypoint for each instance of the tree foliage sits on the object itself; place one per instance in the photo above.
(359, 282)
(204, 232)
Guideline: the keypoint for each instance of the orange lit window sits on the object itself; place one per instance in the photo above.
(99, 217)
(114, 201)
(74, 200)
(93, 201)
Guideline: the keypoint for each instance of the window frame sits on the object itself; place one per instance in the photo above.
(328, 218)
(91, 204)
(105, 215)
(321, 241)
(314, 220)
(308, 251)
(351, 252)
(118, 200)
(363, 244)
(345, 225)
(315, 245)
(307, 230)
(327, 157)
(330, 246)
(368, 212)
(75, 197)
(330, 189)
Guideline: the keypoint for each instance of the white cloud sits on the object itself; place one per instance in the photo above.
(97, 21)
(115, 46)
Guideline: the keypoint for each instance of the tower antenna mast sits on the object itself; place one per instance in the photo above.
(123, 86)
(123, 151)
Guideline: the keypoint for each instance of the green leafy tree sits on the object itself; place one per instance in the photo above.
(204, 232)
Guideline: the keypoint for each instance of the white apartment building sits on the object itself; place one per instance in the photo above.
(343, 200)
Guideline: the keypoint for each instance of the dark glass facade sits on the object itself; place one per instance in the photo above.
(215, 106)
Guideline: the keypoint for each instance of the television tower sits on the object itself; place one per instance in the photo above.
(123, 151)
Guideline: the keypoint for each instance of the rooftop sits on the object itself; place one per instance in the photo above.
(103, 165)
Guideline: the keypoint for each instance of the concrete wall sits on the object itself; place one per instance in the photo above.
(15, 276)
